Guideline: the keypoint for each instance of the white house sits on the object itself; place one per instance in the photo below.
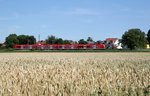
(113, 42)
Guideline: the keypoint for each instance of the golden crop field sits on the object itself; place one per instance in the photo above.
(75, 74)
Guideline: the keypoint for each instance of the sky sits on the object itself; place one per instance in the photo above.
(73, 19)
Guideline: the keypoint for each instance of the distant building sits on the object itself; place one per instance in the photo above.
(3, 44)
(73, 42)
(113, 43)
(100, 42)
(69, 42)
(110, 40)
(42, 42)
(91, 42)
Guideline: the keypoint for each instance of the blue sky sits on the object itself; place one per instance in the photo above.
(73, 19)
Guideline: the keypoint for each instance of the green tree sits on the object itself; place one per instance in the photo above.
(148, 37)
(11, 40)
(51, 39)
(67, 42)
(134, 38)
(31, 40)
(25, 39)
(90, 39)
(59, 41)
(82, 41)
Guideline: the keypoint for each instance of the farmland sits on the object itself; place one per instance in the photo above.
(74, 74)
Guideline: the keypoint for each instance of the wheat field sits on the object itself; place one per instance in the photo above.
(75, 74)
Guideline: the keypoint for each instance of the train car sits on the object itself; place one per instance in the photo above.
(61, 47)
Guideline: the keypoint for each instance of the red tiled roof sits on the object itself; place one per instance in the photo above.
(41, 42)
(108, 40)
(111, 39)
(3, 45)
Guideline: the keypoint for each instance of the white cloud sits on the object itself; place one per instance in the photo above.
(76, 11)
(44, 26)
(3, 18)
(15, 15)
(14, 28)
(83, 11)
(89, 21)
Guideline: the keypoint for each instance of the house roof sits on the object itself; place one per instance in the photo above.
(41, 42)
(3, 44)
(111, 39)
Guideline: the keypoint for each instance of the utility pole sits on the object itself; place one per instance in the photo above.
(39, 37)
(39, 40)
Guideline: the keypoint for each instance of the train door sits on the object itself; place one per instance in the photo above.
(62, 46)
(30, 46)
(22, 47)
(94, 47)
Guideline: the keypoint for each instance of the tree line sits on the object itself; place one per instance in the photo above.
(13, 39)
(135, 39)
(54, 40)
(132, 39)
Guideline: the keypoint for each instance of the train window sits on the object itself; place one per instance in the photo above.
(105, 42)
(80, 46)
(111, 41)
(88, 46)
(18, 46)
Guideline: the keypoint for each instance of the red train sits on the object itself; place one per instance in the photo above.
(60, 46)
